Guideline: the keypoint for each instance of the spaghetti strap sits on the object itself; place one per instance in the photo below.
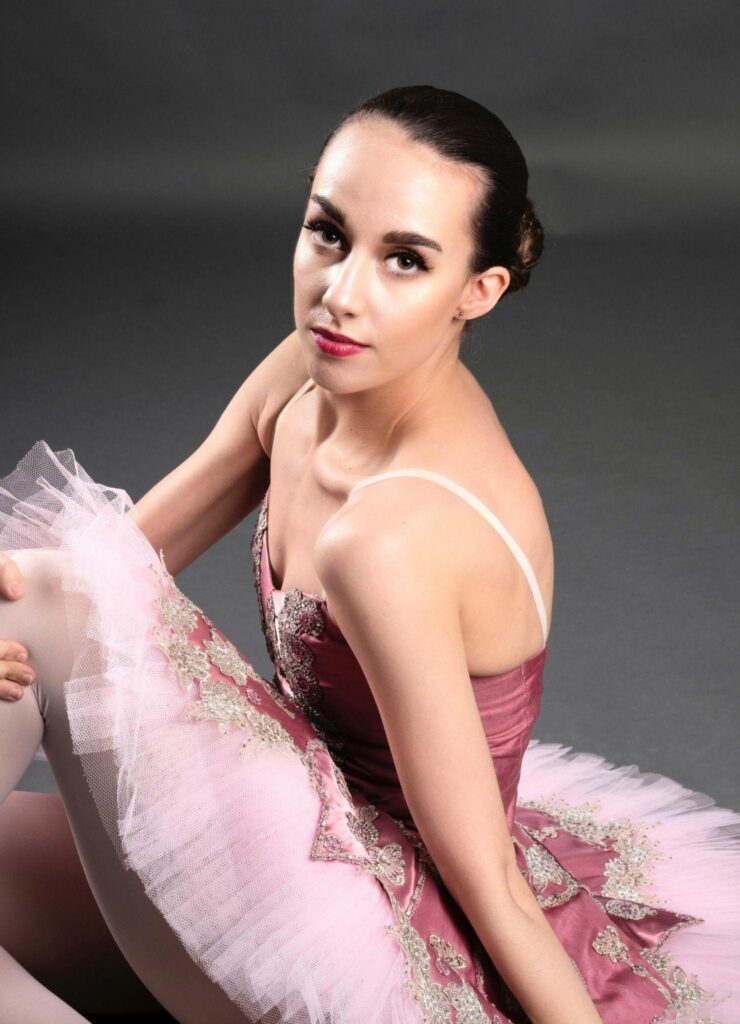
(478, 505)
(294, 398)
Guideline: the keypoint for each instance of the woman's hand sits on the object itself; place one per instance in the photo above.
(14, 673)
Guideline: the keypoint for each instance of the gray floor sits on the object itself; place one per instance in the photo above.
(614, 373)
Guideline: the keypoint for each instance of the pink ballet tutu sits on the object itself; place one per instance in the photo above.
(282, 881)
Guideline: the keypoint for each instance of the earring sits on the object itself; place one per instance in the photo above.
(459, 315)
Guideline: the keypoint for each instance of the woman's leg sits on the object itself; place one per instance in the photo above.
(38, 621)
(24, 998)
(24, 1001)
(43, 892)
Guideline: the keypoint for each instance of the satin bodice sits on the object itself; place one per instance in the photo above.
(316, 670)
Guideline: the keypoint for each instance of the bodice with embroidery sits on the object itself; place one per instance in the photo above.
(317, 670)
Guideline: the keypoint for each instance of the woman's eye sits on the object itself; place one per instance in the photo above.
(413, 259)
(323, 226)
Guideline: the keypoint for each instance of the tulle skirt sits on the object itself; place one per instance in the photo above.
(219, 795)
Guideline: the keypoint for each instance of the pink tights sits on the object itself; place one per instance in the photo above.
(77, 931)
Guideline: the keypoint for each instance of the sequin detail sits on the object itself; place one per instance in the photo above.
(192, 664)
(456, 1001)
(387, 859)
(544, 870)
(626, 874)
(626, 884)
(301, 615)
(687, 991)
(630, 911)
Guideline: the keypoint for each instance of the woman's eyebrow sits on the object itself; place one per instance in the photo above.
(392, 237)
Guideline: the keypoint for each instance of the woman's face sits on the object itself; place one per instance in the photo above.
(398, 297)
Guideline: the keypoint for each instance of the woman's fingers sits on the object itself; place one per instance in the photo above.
(15, 672)
(11, 581)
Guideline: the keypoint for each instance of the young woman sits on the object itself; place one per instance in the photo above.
(371, 836)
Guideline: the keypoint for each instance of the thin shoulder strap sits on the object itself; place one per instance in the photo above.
(478, 505)
(294, 398)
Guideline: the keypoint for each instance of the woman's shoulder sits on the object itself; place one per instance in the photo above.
(276, 380)
(436, 523)
(421, 492)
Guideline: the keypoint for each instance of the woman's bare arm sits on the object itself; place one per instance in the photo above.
(217, 486)
(204, 497)
(398, 605)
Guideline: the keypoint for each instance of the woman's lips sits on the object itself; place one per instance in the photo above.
(335, 348)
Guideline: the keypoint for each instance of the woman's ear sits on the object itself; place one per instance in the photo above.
(483, 292)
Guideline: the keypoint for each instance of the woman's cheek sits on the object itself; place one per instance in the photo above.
(303, 264)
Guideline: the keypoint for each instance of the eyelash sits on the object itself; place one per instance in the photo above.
(317, 225)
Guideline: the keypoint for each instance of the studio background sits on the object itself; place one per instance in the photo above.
(152, 183)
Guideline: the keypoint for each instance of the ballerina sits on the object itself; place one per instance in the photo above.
(371, 835)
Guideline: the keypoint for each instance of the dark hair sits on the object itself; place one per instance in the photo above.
(505, 228)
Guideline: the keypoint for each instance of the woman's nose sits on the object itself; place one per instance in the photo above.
(345, 295)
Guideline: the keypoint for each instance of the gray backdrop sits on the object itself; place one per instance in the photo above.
(151, 191)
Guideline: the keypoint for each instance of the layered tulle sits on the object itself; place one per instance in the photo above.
(277, 879)
(218, 830)
(690, 860)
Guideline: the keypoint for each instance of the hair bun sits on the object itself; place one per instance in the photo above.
(529, 246)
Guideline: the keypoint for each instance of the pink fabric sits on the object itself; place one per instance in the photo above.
(268, 826)
(694, 839)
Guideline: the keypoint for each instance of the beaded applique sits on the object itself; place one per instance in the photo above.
(626, 886)
(300, 615)
(544, 870)
(441, 1003)
(191, 663)
(687, 991)
(626, 877)
(388, 859)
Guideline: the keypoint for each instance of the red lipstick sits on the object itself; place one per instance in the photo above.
(336, 344)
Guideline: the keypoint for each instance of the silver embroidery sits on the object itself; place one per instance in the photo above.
(626, 884)
(301, 615)
(630, 911)
(626, 874)
(225, 656)
(189, 662)
(425, 865)
(480, 981)
(688, 992)
(548, 832)
(387, 859)
(447, 956)
(607, 943)
(545, 870)
(687, 989)
(436, 1000)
